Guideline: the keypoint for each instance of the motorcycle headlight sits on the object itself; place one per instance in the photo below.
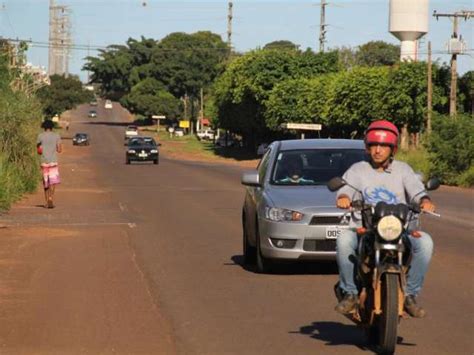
(282, 215)
(389, 228)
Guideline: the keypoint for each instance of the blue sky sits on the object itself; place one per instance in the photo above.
(104, 22)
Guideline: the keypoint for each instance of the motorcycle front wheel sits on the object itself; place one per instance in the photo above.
(388, 322)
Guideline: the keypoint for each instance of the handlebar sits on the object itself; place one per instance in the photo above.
(432, 213)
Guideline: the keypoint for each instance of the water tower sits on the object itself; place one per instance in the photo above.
(408, 22)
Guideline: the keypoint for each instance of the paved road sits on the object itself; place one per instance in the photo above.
(153, 266)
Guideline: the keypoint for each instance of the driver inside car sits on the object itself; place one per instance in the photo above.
(292, 171)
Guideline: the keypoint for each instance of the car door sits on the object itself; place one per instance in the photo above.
(254, 196)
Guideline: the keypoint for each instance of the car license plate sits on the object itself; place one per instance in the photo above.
(333, 232)
(142, 155)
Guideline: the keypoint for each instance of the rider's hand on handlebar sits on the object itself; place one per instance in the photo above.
(343, 202)
(427, 206)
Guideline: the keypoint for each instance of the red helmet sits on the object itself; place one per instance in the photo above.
(382, 132)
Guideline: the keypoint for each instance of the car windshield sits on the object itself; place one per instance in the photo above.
(313, 166)
(148, 142)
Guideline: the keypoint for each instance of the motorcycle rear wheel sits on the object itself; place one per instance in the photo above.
(388, 322)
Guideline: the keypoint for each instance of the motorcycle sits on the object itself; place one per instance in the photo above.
(382, 262)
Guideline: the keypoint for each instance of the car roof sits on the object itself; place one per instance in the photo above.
(321, 143)
(81, 134)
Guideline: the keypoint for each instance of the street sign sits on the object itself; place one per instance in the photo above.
(304, 126)
(158, 117)
(184, 124)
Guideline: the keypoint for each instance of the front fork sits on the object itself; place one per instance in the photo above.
(377, 287)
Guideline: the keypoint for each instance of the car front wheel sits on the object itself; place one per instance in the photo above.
(248, 250)
(264, 265)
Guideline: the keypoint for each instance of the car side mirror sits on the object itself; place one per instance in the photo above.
(433, 184)
(251, 178)
(159, 144)
(336, 183)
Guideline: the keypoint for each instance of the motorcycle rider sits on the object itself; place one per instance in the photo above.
(392, 181)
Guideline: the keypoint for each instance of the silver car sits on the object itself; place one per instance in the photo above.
(289, 213)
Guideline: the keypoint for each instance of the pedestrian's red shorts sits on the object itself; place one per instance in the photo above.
(50, 174)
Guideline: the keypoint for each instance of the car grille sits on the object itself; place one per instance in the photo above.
(326, 220)
(319, 245)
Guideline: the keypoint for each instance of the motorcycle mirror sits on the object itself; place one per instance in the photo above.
(336, 183)
(433, 184)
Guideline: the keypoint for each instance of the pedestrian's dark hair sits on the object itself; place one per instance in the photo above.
(47, 124)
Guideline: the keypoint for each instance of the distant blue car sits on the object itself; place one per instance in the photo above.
(288, 212)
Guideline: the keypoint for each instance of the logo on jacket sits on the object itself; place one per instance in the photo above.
(378, 194)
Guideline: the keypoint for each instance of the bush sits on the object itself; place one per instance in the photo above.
(451, 148)
(466, 179)
(20, 118)
(417, 159)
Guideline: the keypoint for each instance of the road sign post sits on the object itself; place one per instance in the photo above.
(302, 127)
(158, 118)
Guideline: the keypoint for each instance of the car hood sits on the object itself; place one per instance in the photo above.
(307, 199)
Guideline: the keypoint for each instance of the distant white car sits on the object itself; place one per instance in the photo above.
(205, 134)
(130, 132)
(108, 104)
(179, 132)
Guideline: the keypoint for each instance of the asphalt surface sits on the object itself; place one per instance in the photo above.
(146, 259)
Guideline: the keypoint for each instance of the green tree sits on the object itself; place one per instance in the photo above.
(281, 45)
(405, 97)
(111, 70)
(376, 53)
(466, 92)
(451, 147)
(149, 97)
(63, 94)
(244, 88)
(357, 99)
(300, 101)
(185, 63)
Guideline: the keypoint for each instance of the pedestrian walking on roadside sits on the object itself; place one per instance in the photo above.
(48, 145)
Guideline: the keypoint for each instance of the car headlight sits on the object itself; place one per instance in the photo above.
(389, 228)
(131, 151)
(153, 151)
(282, 215)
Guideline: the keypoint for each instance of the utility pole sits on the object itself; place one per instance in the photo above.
(201, 113)
(430, 92)
(322, 26)
(456, 46)
(229, 26)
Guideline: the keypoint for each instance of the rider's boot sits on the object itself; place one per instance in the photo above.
(348, 304)
(412, 308)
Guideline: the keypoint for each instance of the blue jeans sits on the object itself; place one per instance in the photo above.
(421, 248)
